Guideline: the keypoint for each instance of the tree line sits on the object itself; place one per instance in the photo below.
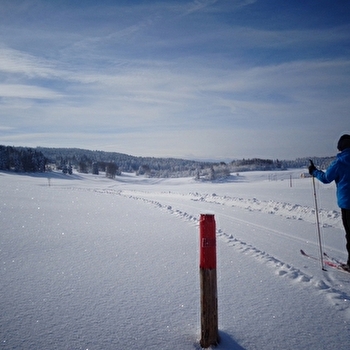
(21, 159)
(112, 164)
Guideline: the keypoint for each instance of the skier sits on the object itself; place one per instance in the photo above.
(339, 171)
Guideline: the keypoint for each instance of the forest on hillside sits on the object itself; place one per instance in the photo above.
(112, 164)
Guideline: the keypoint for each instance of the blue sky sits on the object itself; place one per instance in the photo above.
(204, 79)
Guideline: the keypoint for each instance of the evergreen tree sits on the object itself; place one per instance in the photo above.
(95, 168)
(111, 170)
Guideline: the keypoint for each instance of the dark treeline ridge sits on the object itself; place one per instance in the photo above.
(40, 159)
(22, 159)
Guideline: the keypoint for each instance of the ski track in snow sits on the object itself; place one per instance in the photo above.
(290, 211)
(325, 286)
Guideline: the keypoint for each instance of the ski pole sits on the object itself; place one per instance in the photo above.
(317, 220)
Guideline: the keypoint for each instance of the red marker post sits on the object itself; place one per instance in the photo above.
(208, 281)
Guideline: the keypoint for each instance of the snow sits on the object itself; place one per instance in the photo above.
(93, 263)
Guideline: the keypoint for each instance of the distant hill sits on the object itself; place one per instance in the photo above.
(24, 159)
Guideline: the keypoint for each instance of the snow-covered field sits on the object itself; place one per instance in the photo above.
(99, 264)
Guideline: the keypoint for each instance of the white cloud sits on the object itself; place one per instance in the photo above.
(27, 91)
(164, 82)
(17, 62)
(198, 5)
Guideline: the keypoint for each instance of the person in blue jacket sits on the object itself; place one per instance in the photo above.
(339, 171)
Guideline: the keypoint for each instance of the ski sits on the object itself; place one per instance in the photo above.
(340, 264)
(308, 256)
(326, 262)
(332, 259)
(329, 262)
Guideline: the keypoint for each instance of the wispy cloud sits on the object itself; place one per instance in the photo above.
(198, 5)
(170, 76)
(27, 91)
(18, 62)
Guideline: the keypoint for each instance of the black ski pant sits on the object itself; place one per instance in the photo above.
(345, 214)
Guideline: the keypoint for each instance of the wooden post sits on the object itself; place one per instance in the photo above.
(208, 281)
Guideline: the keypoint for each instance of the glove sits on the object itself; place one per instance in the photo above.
(312, 167)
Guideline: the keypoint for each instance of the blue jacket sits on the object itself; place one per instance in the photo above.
(338, 171)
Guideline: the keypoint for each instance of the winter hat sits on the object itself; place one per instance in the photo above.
(344, 142)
